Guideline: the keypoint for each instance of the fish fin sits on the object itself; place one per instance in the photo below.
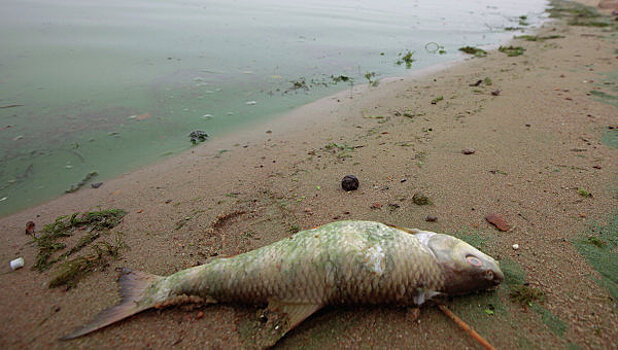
(133, 285)
(405, 229)
(294, 313)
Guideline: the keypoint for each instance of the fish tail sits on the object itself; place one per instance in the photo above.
(135, 298)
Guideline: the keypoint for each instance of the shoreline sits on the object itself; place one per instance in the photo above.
(537, 143)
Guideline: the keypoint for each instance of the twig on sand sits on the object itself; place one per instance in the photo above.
(463, 325)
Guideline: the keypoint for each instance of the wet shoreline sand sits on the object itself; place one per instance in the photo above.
(537, 143)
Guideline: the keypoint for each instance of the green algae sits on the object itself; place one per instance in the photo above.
(578, 15)
(610, 138)
(538, 37)
(473, 51)
(92, 223)
(598, 246)
(512, 51)
(526, 295)
(555, 324)
(473, 238)
(521, 293)
(407, 59)
(605, 97)
(71, 272)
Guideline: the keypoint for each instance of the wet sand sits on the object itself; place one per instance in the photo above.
(536, 143)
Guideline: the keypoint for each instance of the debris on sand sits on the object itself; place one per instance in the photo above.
(473, 51)
(421, 199)
(349, 183)
(512, 51)
(197, 136)
(30, 228)
(431, 218)
(17, 263)
(498, 221)
(468, 150)
(93, 223)
(525, 295)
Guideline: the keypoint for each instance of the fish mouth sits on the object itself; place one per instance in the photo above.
(494, 276)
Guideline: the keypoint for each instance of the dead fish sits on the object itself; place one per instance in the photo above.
(344, 262)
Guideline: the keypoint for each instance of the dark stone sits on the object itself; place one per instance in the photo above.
(198, 136)
(349, 183)
(431, 218)
(96, 185)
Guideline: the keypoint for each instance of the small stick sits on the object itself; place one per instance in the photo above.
(463, 325)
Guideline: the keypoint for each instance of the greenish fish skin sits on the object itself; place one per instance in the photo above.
(344, 262)
(341, 262)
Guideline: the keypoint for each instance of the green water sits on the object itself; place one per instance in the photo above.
(84, 69)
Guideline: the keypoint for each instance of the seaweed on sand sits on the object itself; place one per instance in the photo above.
(72, 271)
(473, 51)
(93, 223)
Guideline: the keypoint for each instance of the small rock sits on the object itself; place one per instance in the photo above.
(251, 103)
(96, 185)
(498, 221)
(349, 183)
(431, 218)
(515, 246)
(597, 167)
(199, 315)
(496, 92)
(468, 150)
(528, 125)
(376, 206)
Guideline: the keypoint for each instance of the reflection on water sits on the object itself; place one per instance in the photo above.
(113, 85)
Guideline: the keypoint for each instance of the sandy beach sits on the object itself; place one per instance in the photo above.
(541, 130)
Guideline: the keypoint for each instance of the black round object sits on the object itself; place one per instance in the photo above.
(349, 183)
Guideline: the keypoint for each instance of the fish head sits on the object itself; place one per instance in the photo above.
(466, 268)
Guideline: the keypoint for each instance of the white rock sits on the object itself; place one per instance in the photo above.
(515, 246)
(250, 103)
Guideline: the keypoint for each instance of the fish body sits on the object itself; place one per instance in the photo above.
(343, 262)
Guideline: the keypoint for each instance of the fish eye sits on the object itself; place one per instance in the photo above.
(474, 261)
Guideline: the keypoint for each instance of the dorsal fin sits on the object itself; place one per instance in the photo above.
(405, 229)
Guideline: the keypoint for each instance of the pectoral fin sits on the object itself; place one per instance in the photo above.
(292, 314)
(274, 322)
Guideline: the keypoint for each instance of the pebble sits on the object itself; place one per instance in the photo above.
(468, 151)
(251, 103)
(515, 246)
(431, 218)
(349, 183)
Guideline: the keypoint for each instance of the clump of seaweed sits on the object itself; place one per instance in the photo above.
(407, 59)
(538, 38)
(512, 51)
(473, 51)
(584, 193)
(421, 199)
(72, 271)
(525, 295)
(93, 223)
